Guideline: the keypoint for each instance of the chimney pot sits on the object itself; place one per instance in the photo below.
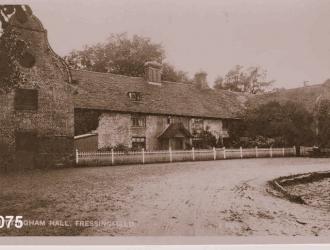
(153, 71)
(200, 80)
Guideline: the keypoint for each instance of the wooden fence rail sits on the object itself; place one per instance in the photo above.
(143, 157)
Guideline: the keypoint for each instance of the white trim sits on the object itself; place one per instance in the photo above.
(84, 135)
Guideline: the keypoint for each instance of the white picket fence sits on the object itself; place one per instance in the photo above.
(305, 151)
(143, 157)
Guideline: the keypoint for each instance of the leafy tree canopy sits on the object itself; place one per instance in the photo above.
(286, 124)
(11, 47)
(251, 80)
(323, 123)
(119, 55)
(124, 55)
(171, 74)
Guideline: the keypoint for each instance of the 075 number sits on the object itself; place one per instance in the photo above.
(8, 220)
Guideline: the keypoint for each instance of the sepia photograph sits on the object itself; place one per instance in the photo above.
(192, 120)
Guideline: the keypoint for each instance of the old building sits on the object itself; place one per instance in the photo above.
(40, 117)
(145, 112)
(37, 118)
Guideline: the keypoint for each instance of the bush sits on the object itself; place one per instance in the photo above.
(273, 124)
(118, 148)
(204, 140)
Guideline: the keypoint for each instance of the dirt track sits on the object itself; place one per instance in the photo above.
(224, 198)
(217, 198)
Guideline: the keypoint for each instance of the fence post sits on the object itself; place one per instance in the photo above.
(112, 157)
(170, 151)
(214, 154)
(271, 151)
(142, 155)
(294, 151)
(241, 152)
(77, 156)
(256, 151)
(283, 153)
(193, 153)
(224, 152)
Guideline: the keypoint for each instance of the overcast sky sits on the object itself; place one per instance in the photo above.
(289, 38)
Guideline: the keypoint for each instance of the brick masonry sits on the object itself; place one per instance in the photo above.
(53, 121)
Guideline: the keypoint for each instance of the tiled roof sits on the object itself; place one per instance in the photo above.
(105, 91)
(175, 130)
(306, 96)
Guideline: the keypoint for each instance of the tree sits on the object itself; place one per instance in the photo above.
(171, 74)
(11, 48)
(119, 55)
(287, 125)
(323, 123)
(123, 55)
(251, 80)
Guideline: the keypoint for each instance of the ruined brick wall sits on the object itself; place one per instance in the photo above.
(53, 120)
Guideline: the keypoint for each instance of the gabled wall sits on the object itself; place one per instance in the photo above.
(53, 120)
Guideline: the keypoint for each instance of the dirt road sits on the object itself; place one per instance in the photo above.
(215, 198)
(223, 198)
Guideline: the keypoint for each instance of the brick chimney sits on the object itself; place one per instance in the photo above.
(153, 72)
(200, 80)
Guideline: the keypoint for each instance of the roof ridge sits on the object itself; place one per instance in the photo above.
(171, 82)
(104, 73)
(305, 87)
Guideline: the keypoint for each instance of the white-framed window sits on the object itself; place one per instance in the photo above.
(138, 121)
(138, 143)
(197, 125)
(135, 96)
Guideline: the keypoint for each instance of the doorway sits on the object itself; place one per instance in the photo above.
(26, 150)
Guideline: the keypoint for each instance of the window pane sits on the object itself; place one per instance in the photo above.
(138, 143)
(138, 121)
(135, 96)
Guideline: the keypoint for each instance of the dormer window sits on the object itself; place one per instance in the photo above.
(135, 96)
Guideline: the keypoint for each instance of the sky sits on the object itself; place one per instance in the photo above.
(288, 38)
